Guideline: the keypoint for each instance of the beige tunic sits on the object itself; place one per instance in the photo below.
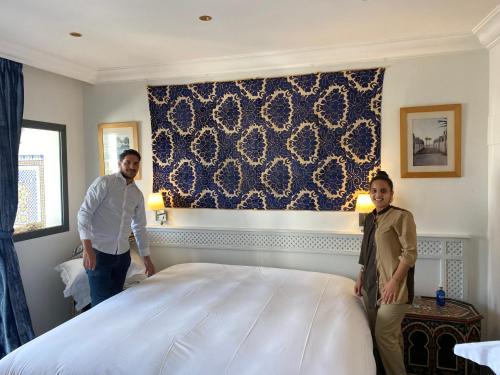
(395, 241)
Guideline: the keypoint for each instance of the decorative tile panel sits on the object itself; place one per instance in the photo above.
(31, 193)
(454, 248)
(454, 276)
(430, 247)
(242, 240)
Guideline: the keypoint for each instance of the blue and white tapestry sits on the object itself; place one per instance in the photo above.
(308, 142)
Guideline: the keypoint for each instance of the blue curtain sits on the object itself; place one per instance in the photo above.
(15, 321)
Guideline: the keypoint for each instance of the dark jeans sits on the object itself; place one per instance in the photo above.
(108, 277)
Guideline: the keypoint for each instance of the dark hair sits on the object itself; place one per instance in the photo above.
(129, 152)
(382, 175)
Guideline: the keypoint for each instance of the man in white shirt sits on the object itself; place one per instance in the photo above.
(112, 206)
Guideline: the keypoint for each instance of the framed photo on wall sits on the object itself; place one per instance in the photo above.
(113, 139)
(431, 141)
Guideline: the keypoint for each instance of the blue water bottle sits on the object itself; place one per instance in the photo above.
(440, 296)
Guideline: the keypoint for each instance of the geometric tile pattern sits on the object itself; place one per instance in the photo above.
(454, 248)
(308, 142)
(31, 193)
(454, 272)
(429, 247)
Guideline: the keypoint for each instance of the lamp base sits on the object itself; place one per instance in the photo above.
(161, 216)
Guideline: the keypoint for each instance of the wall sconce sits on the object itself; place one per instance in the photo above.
(156, 204)
(364, 206)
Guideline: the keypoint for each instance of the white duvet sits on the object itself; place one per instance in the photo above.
(211, 319)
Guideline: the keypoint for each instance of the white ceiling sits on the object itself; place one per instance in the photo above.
(141, 37)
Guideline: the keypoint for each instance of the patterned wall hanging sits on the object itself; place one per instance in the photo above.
(308, 142)
(31, 194)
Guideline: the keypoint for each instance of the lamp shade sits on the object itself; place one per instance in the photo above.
(364, 203)
(155, 201)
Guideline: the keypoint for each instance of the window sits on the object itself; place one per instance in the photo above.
(43, 183)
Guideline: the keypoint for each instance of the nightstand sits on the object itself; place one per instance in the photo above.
(430, 332)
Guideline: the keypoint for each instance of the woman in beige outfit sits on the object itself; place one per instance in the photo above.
(386, 278)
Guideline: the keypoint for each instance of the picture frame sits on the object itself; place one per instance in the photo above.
(431, 141)
(113, 139)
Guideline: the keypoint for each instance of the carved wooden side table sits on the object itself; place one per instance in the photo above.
(430, 332)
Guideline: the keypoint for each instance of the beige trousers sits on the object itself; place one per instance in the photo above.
(385, 325)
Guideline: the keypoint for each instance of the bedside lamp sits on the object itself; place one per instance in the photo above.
(156, 204)
(364, 206)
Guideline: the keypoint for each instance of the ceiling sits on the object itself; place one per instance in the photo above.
(150, 37)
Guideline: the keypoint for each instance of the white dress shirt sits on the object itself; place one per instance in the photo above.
(110, 209)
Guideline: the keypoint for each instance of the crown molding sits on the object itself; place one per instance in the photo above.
(244, 66)
(305, 60)
(488, 30)
(46, 61)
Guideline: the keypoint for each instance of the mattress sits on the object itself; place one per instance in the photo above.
(201, 318)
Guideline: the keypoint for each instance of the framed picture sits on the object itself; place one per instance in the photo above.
(113, 139)
(431, 141)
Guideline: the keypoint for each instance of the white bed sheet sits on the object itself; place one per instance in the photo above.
(485, 353)
(211, 319)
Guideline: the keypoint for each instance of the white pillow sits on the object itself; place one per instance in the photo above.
(75, 278)
(137, 266)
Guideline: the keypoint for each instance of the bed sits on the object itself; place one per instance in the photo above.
(200, 318)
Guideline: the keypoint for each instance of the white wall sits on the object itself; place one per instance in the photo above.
(443, 206)
(53, 98)
(494, 196)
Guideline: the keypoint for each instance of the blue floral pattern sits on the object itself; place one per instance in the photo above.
(308, 142)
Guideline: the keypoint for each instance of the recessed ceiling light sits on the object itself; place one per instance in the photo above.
(205, 18)
(75, 34)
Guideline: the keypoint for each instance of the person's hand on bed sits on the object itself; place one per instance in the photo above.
(359, 284)
(88, 256)
(150, 267)
(389, 291)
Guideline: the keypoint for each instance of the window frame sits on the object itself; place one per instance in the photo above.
(64, 227)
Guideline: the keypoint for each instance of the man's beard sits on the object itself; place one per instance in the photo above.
(127, 177)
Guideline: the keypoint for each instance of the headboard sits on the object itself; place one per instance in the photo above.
(441, 258)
